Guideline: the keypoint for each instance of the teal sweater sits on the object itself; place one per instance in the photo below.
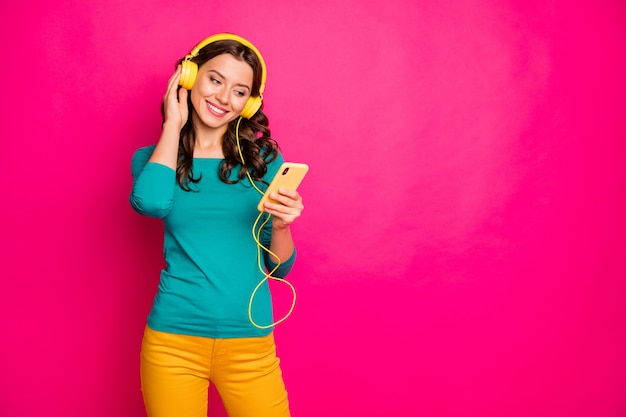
(211, 266)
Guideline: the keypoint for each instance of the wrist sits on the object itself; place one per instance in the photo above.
(172, 126)
(279, 225)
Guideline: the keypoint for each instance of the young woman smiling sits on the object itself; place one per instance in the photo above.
(199, 330)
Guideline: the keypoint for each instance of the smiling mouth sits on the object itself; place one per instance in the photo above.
(216, 110)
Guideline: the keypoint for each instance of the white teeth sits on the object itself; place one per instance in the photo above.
(215, 109)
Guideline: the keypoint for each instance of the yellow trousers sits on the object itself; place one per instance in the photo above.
(176, 371)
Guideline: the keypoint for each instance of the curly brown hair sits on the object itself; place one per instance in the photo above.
(257, 145)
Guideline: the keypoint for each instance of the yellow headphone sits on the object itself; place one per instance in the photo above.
(189, 70)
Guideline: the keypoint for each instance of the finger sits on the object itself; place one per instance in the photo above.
(182, 96)
(293, 194)
(176, 75)
(284, 212)
(285, 218)
(282, 200)
(290, 199)
(172, 83)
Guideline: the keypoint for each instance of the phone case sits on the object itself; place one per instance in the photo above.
(289, 176)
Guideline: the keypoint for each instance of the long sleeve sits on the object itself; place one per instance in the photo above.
(153, 185)
(285, 264)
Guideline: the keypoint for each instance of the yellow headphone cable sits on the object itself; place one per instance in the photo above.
(256, 234)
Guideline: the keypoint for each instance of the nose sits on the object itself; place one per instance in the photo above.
(221, 96)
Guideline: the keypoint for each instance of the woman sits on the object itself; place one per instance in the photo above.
(201, 177)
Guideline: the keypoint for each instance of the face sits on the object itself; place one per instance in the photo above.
(221, 90)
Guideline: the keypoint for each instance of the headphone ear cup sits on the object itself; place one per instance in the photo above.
(189, 71)
(252, 106)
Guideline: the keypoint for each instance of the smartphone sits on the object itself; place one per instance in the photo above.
(289, 176)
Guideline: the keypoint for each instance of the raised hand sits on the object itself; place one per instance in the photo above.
(175, 110)
(289, 209)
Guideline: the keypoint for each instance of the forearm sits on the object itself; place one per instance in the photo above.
(282, 244)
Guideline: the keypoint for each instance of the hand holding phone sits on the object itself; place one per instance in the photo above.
(289, 177)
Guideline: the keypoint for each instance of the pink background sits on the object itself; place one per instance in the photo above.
(462, 251)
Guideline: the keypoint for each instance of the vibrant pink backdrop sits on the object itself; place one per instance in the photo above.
(463, 248)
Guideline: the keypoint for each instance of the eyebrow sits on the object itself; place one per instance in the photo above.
(222, 76)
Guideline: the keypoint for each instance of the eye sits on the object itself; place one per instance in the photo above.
(215, 81)
(240, 93)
